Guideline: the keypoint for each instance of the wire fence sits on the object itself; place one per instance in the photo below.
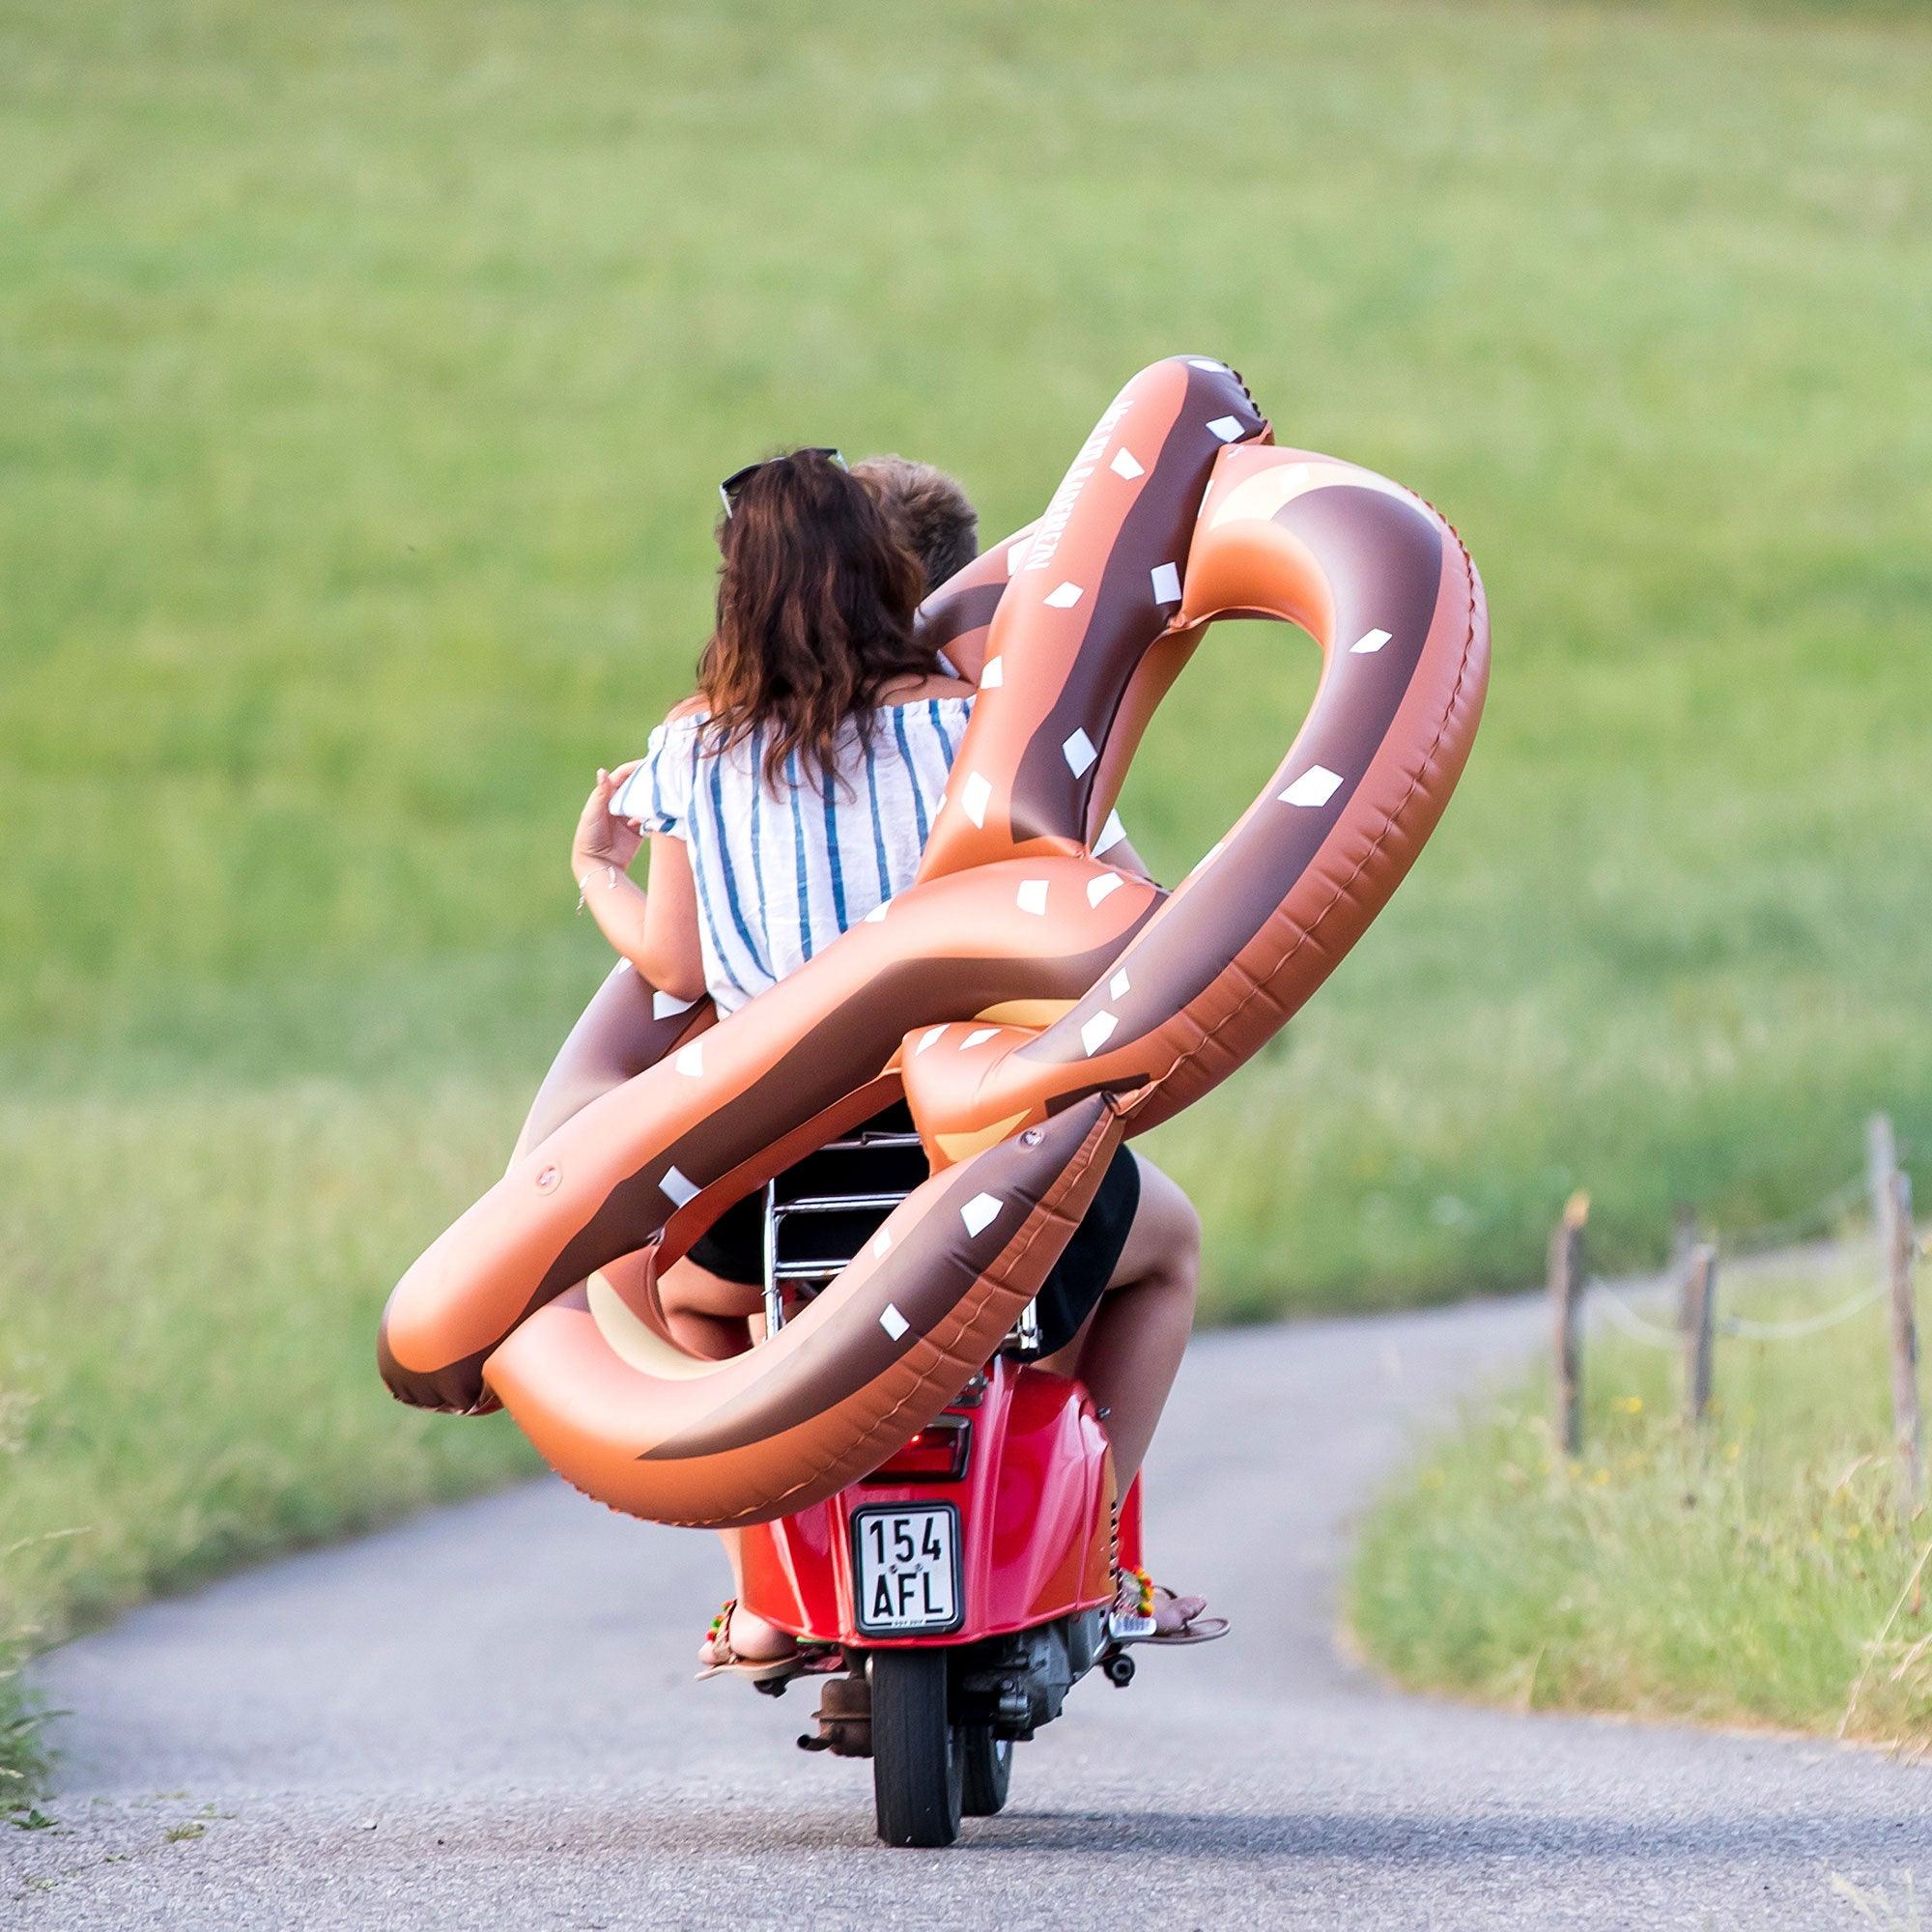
(1824, 1216)
(1657, 1335)
(1692, 1328)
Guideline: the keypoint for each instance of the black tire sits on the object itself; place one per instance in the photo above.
(986, 1771)
(915, 1782)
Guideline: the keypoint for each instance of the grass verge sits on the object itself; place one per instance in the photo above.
(1764, 1575)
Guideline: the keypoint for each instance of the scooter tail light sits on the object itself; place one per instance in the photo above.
(937, 1454)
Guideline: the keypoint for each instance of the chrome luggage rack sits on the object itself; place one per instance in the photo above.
(801, 1277)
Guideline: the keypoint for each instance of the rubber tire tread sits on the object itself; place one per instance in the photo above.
(916, 1772)
(986, 1771)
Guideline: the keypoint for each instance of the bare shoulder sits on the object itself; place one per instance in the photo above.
(686, 712)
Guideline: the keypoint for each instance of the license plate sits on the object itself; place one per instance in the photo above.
(905, 1569)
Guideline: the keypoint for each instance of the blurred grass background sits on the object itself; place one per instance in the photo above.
(367, 373)
(1769, 1573)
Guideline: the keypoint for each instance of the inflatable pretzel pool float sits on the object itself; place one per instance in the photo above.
(1034, 1004)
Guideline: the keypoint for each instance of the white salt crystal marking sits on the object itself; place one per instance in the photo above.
(981, 1212)
(974, 795)
(1314, 787)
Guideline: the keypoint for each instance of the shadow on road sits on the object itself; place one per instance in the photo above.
(1393, 1838)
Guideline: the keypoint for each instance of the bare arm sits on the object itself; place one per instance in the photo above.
(656, 931)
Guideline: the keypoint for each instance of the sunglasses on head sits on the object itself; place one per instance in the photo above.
(728, 491)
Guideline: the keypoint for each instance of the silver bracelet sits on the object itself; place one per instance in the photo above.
(584, 884)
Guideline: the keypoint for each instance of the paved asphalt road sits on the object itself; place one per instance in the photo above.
(486, 1718)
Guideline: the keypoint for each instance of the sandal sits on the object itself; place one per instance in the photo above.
(726, 1663)
(1135, 1619)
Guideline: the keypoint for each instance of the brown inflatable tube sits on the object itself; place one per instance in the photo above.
(1035, 1003)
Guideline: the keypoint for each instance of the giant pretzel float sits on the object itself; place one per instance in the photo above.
(1034, 1005)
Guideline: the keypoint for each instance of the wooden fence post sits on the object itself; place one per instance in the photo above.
(1880, 1164)
(1698, 1320)
(1905, 1341)
(1566, 1317)
(1685, 1235)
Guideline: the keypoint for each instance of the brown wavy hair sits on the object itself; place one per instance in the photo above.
(815, 601)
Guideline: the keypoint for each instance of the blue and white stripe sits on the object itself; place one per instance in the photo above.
(781, 874)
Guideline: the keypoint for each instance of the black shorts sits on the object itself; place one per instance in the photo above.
(733, 1246)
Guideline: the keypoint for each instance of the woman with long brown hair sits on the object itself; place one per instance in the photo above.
(785, 800)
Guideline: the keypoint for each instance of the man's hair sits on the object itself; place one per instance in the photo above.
(935, 515)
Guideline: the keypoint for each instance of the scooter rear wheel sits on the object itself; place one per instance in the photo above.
(916, 1767)
(986, 1771)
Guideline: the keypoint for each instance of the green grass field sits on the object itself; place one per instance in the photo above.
(1766, 1575)
(367, 370)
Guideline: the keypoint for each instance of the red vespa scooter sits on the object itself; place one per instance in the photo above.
(958, 1592)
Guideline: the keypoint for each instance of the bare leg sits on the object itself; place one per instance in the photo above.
(708, 1316)
(715, 1317)
(1131, 1349)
